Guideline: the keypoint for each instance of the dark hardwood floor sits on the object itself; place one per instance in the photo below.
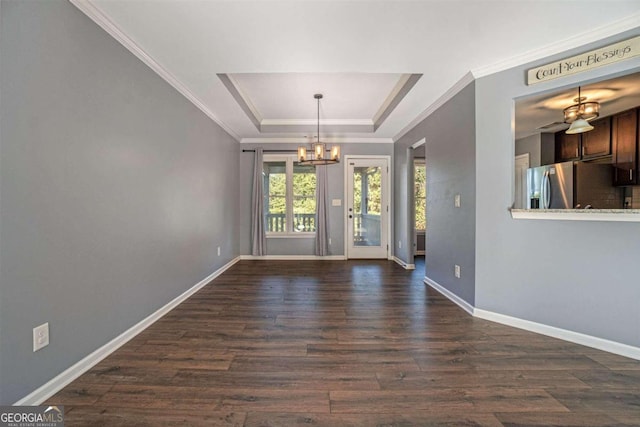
(357, 343)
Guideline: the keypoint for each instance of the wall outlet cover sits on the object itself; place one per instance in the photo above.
(40, 336)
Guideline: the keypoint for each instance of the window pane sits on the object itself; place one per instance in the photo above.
(275, 192)
(304, 198)
(367, 209)
(420, 179)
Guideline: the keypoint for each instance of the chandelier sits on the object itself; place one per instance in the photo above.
(318, 153)
(578, 115)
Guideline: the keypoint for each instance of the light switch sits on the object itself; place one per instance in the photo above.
(40, 336)
(336, 202)
(456, 201)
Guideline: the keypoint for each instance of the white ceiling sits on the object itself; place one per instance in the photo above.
(354, 52)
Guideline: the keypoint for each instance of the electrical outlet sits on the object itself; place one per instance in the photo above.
(218, 250)
(40, 336)
(456, 201)
(456, 271)
(329, 241)
(400, 244)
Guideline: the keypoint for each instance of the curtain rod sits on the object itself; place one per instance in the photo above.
(271, 151)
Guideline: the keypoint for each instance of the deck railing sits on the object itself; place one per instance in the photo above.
(301, 223)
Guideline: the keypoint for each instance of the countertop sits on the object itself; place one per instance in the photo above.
(628, 215)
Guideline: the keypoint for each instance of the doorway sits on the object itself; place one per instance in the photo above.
(367, 207)
(417, 200)
(420, 205)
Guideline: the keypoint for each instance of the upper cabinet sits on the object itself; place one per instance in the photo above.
(597, 143)
(567, 147)
(585, 146)
(624, 135)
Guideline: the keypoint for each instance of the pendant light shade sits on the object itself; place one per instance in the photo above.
(579, 126)
(579, 114)
(318, 150)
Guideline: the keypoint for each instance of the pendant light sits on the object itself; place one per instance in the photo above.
(578, 115)
(317, 155)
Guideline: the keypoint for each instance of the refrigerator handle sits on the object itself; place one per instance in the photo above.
(543, 196)
(546, 191)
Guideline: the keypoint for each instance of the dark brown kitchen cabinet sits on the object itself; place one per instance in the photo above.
(624, 136)
(597, 142)
(567, 147)
(585, 146)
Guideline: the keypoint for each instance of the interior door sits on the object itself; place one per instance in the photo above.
(367, 208)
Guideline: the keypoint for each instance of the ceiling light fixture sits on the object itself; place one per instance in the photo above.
(578, 115)
(318, 155)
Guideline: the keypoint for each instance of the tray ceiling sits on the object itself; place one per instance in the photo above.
(279, 53)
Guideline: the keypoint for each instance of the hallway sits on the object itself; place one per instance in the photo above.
(355, 343)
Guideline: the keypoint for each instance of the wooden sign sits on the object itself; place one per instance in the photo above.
(586, 61)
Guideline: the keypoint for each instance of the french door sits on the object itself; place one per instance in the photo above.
(367, 208)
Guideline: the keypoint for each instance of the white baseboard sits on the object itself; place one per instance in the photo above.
(450, 295)
(294, 257)
(50, 388)
(404, 264)
(539, 328)
(563, 334)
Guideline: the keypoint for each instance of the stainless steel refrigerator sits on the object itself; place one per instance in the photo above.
(572, 185)
(551, 186)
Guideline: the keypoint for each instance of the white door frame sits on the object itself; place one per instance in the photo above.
(522, 158)
(345, 213)
(411, 224)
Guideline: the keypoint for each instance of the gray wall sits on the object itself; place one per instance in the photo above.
(303, 246)
(450, 153)
(531, 145)
(576, 275)
(539, 146)
(116, 191)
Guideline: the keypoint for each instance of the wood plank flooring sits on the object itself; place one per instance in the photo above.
(357, 343)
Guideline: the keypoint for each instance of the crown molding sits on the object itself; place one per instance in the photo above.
(308, 122)
(234, 89)
(591, 36)
(96, 15)
(345, 140)
(402, 88)
(450, 93)
(584, 38)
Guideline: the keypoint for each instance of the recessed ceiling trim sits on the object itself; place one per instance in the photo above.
(241, 98)
(402, 88)
(453, 90)
(335, 140)
(306, 122)
(97, 15)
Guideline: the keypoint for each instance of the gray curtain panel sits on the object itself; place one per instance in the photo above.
(322, 226)
(258, 232)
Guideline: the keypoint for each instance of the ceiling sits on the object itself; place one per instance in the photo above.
(382, 66)
(543, 113)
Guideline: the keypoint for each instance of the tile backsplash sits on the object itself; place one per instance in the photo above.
(635, 194)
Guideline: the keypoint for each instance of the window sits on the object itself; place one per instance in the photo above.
(420, 194)
(290, 195)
